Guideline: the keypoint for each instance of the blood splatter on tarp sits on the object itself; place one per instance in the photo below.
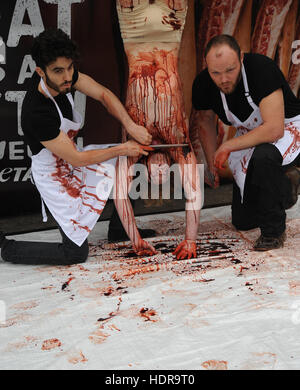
(229, 308)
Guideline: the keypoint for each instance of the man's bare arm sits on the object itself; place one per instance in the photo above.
(91, 88)
(272, 128)
(63, 147)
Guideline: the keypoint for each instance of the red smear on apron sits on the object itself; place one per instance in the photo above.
(70, 182)
(81, 227)
(296, 139)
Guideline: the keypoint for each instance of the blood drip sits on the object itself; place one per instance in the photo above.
(65, 175)
(81, 227)
(172, 20)
(154, 97)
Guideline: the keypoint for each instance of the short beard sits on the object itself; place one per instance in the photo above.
(235, 85)
(55, 87)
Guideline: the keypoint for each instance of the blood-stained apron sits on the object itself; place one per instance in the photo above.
(75, 196)
(288, 145)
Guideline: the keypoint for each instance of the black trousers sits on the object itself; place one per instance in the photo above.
(266, 195)
(44, 253)
(50, 253)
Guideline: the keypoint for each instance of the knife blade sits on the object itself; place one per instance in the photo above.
(160, 146)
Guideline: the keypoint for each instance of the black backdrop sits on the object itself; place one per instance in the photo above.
(93, 24)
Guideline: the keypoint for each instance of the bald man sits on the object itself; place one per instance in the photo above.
(248, 91)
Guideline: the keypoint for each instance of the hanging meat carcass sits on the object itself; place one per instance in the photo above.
(269, 23)
(243, 29)
(218, 17)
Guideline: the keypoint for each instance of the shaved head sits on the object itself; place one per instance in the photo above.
(220, 40)
(224, 67)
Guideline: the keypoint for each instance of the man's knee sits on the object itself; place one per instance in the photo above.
(266, 154)
(77, 255)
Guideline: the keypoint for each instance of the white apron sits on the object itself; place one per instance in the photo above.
(74, 196)
(288, 145)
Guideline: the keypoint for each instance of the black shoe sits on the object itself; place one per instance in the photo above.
(267, 243)
(116, 235)
(294, 175)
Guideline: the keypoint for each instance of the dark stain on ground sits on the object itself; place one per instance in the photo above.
(111, 290)
(163, 248)
(66, 284)
(104, 319)
(235, 261)
(205, 248)
(128, 255)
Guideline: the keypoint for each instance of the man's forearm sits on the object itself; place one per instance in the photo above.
(262, 134)
(95, 156)
(111, 102)
(113, 105)
(116, 109)
(272, 129)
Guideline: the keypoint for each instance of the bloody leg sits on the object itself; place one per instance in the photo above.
(190, 180)
(124, 207)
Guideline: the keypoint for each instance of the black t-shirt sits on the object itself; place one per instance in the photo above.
(40, 119)
(264, 77)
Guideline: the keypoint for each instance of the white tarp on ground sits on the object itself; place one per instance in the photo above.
(231, 308)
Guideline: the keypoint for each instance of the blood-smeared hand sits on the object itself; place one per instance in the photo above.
(140, 134)
(134, 149)
(143, 248)
(221, 156)
(186, 250)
